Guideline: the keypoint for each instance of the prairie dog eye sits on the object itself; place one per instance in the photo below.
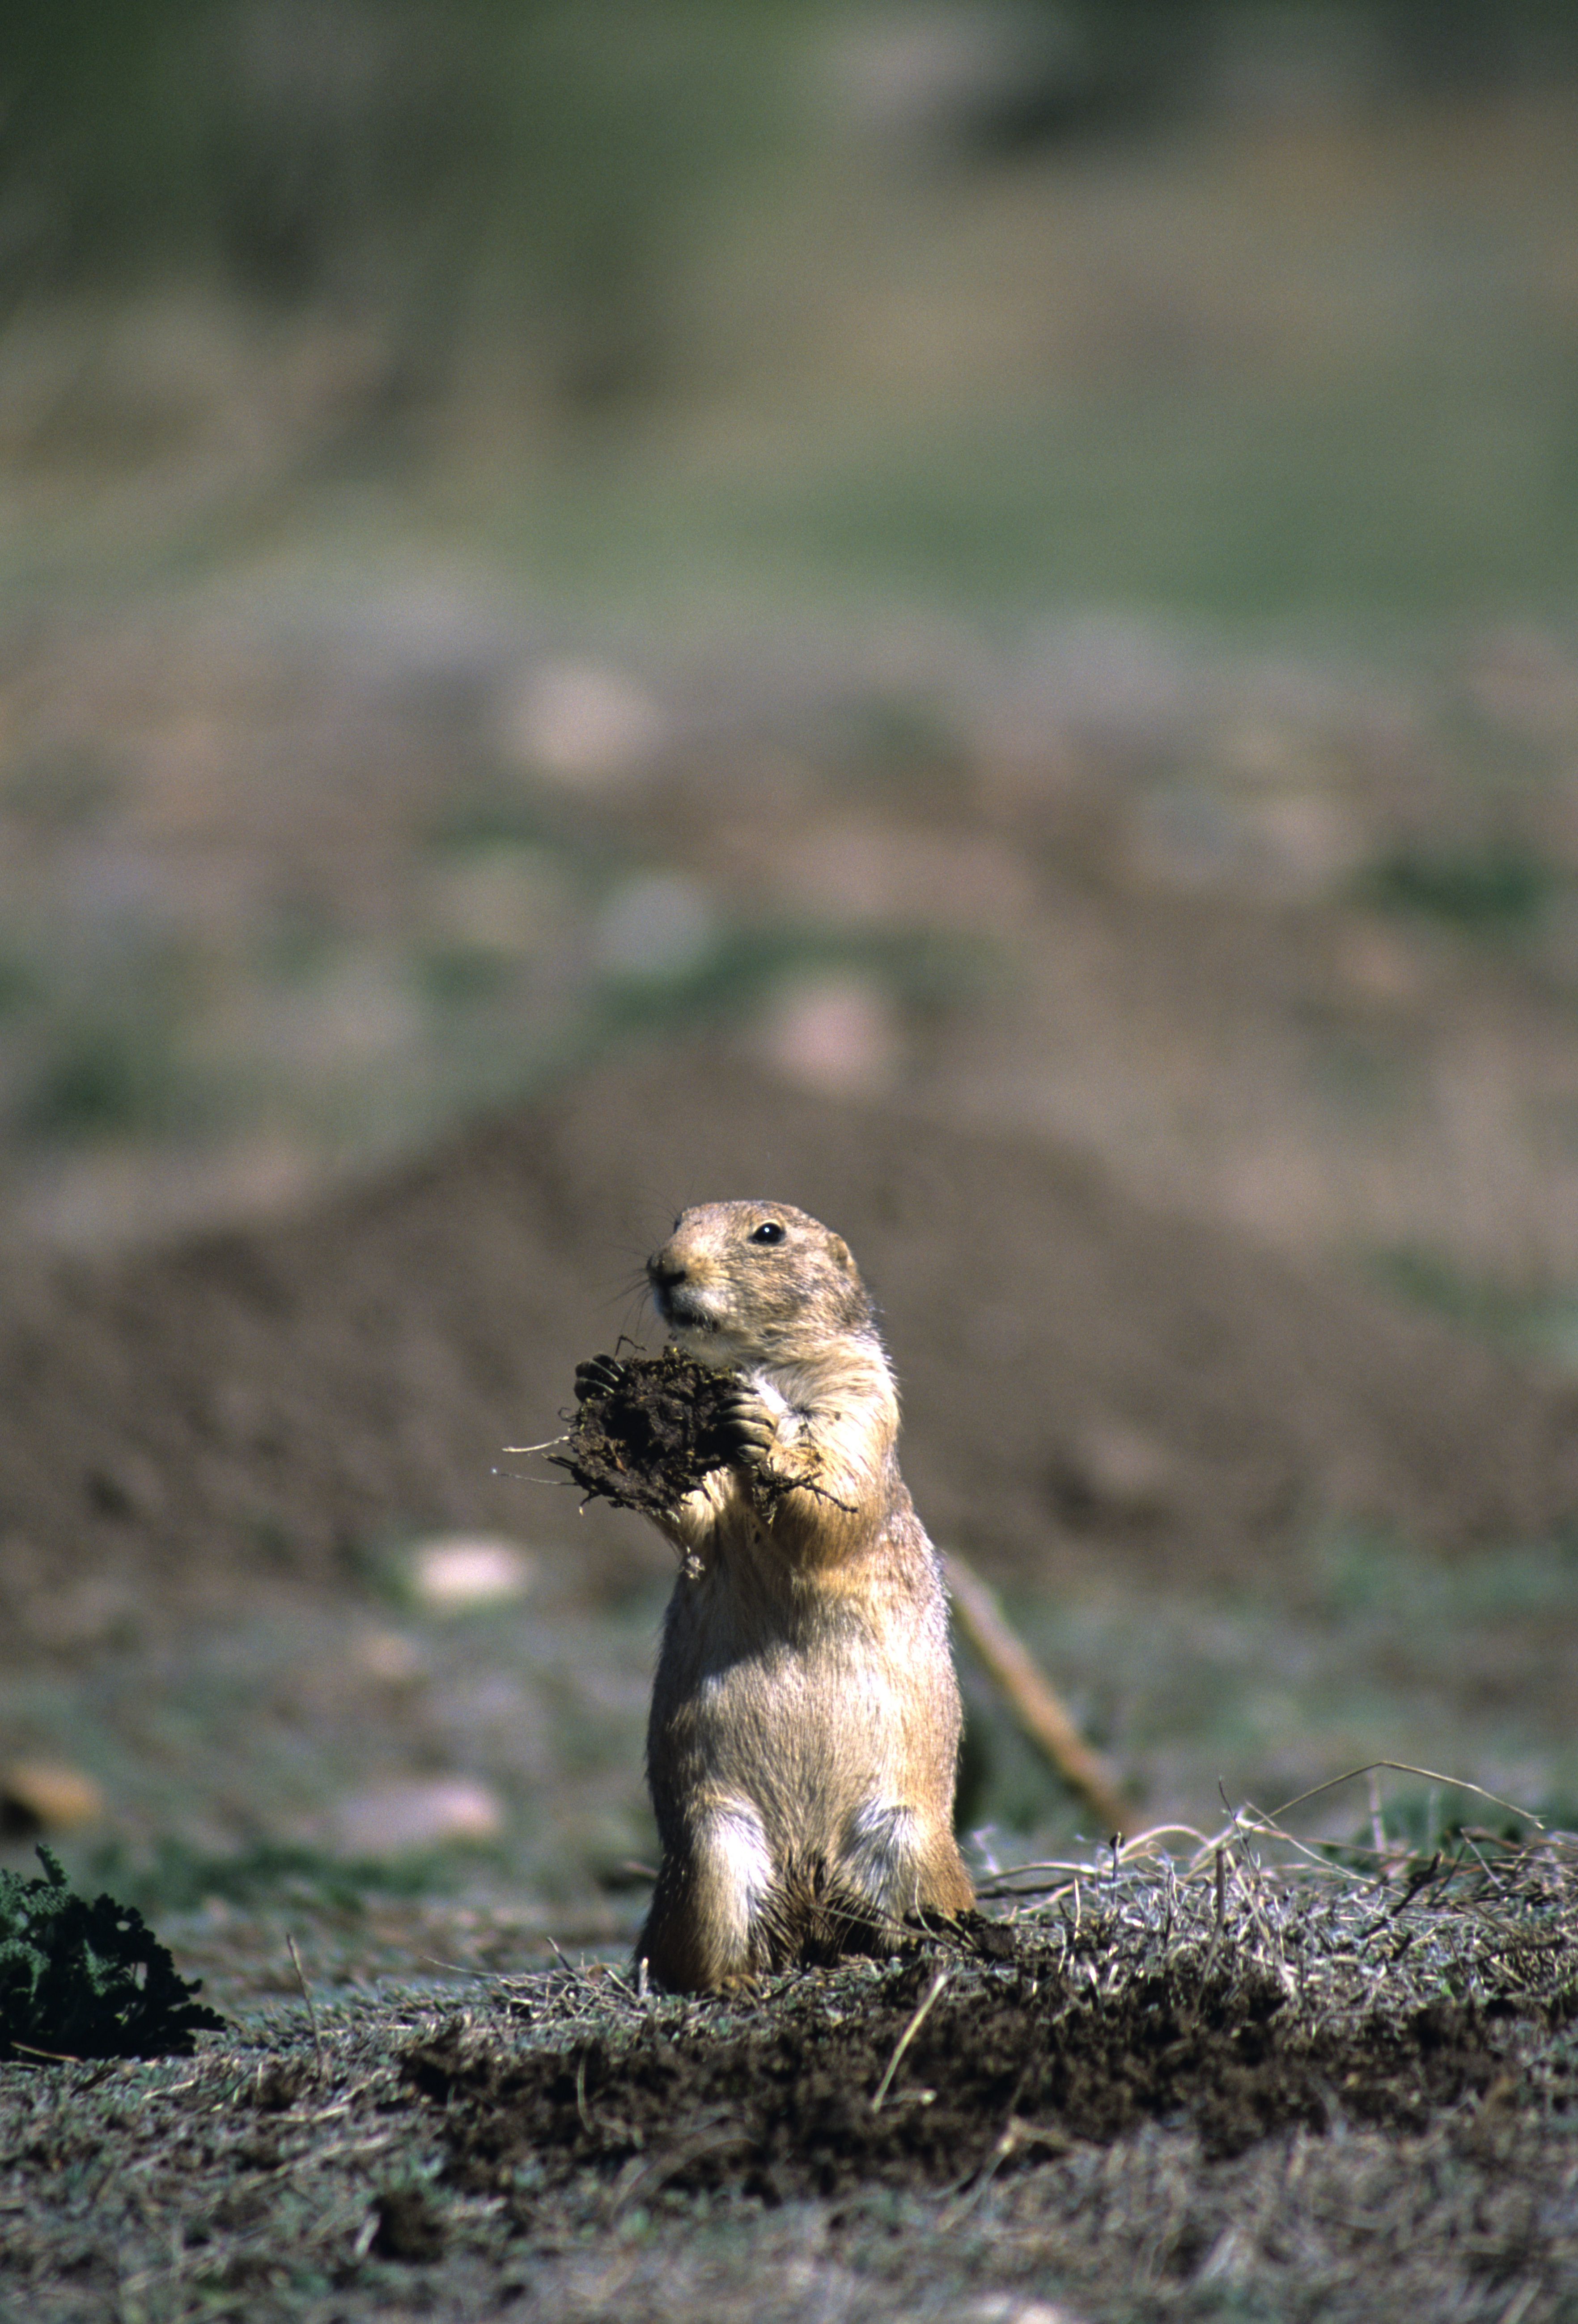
(768, 1232)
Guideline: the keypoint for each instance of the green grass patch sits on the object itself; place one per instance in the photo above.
(1493, 892)
(274, 1875)
(104, 1080)
(1291, 500)
(1539, 1322)
(1361, 1574)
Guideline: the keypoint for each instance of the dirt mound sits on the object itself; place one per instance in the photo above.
(1083, 1377)
(1020, 2065)
(1326, 2002)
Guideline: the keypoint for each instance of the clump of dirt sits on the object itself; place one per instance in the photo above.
(409, 2227)
(647, 1430)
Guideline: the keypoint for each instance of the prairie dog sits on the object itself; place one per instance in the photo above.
(805, 1724)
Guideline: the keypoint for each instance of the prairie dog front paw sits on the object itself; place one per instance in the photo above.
(749, 1427)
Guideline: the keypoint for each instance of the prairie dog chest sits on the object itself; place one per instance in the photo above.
(814, 1711)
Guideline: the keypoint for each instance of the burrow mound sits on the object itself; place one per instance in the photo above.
(1083, 1377)
(1234, 1997)
(1007, 2072)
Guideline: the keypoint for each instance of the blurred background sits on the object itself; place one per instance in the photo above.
(1013, 563)
(519, 518)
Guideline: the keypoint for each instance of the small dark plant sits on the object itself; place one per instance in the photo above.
(87, 1980)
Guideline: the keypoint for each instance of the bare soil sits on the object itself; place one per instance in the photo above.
(796, 2088)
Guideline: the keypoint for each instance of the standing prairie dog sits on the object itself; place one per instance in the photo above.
(805, 1721)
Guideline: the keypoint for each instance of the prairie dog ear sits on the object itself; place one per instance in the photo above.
(841, 1254)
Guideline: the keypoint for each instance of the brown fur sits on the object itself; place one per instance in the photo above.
(805, 1723)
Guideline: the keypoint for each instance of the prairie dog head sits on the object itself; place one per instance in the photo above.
(752, 1282)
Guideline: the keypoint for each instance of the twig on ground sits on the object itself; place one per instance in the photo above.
(1403, 1768)
(644, 2175)
(1032, 1701)
(573, 1968)
(909, 2034)
(307, 1998)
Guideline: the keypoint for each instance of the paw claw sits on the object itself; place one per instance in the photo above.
(749, 1428)
(598, 1376)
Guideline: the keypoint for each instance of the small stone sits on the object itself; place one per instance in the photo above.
(460, 1569)
(583, 725)
(46, 1795)
(658, 926)
(394, 1818)
(839, 1035)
